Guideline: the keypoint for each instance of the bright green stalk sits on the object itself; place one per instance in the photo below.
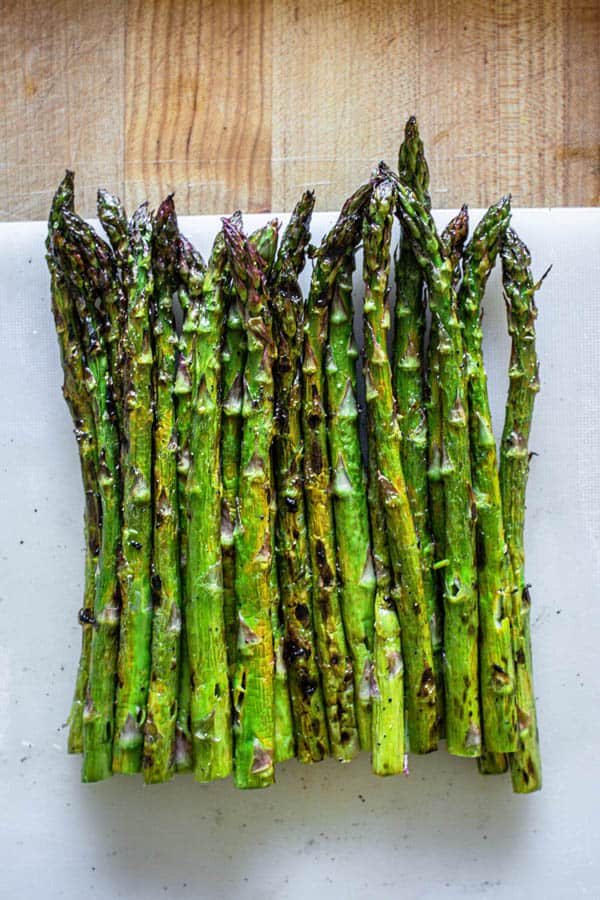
(159, 731)
(387, 683)
(191, 268)
(79, 404)
(402, 540)
(496, 669)
(233, 361)
(265, 242)
(519, 291)
(490, 762)
(233, 364)
(463, 724)
(76, 251)
(134, 575)
(205, 627)
(333, 656)
(253, 688)
(357, 575)
(453, 239)
(409, 391)
(293, 556)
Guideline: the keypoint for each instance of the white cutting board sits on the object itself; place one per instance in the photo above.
(444, 832)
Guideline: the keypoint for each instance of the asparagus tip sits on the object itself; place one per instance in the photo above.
(455, 234)
(190, 263)
(107, 198)
(64, 199)
(240, 250)
(411, 129)
(412, 165)
(167, 207)
(140, 219)
(166, 211)
(166, 234)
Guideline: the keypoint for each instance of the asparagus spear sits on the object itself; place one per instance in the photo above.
(159, 731)
(190, 272)
(409, 338)
(233, 361)
(191, 268)
(463, 724)
(253, 689)
(284, 742)
(357, 575)
(76, 249)
(519, 291)
(453, 239)
(333, 656)
(205, 626)
(409, 391)
(293, 559)
(402, 540)
(114, 221)
(387, 687)
(265, 241)
(496, 670)
(134, 575)
(80, 407)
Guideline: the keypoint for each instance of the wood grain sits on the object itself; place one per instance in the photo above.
(245, 102)
(198, 103)
(61, 89)
(578, 153)
(489, 88)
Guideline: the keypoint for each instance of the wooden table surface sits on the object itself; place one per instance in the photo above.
(243, 104)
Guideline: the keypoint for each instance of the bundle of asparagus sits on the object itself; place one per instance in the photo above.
(261, 583)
